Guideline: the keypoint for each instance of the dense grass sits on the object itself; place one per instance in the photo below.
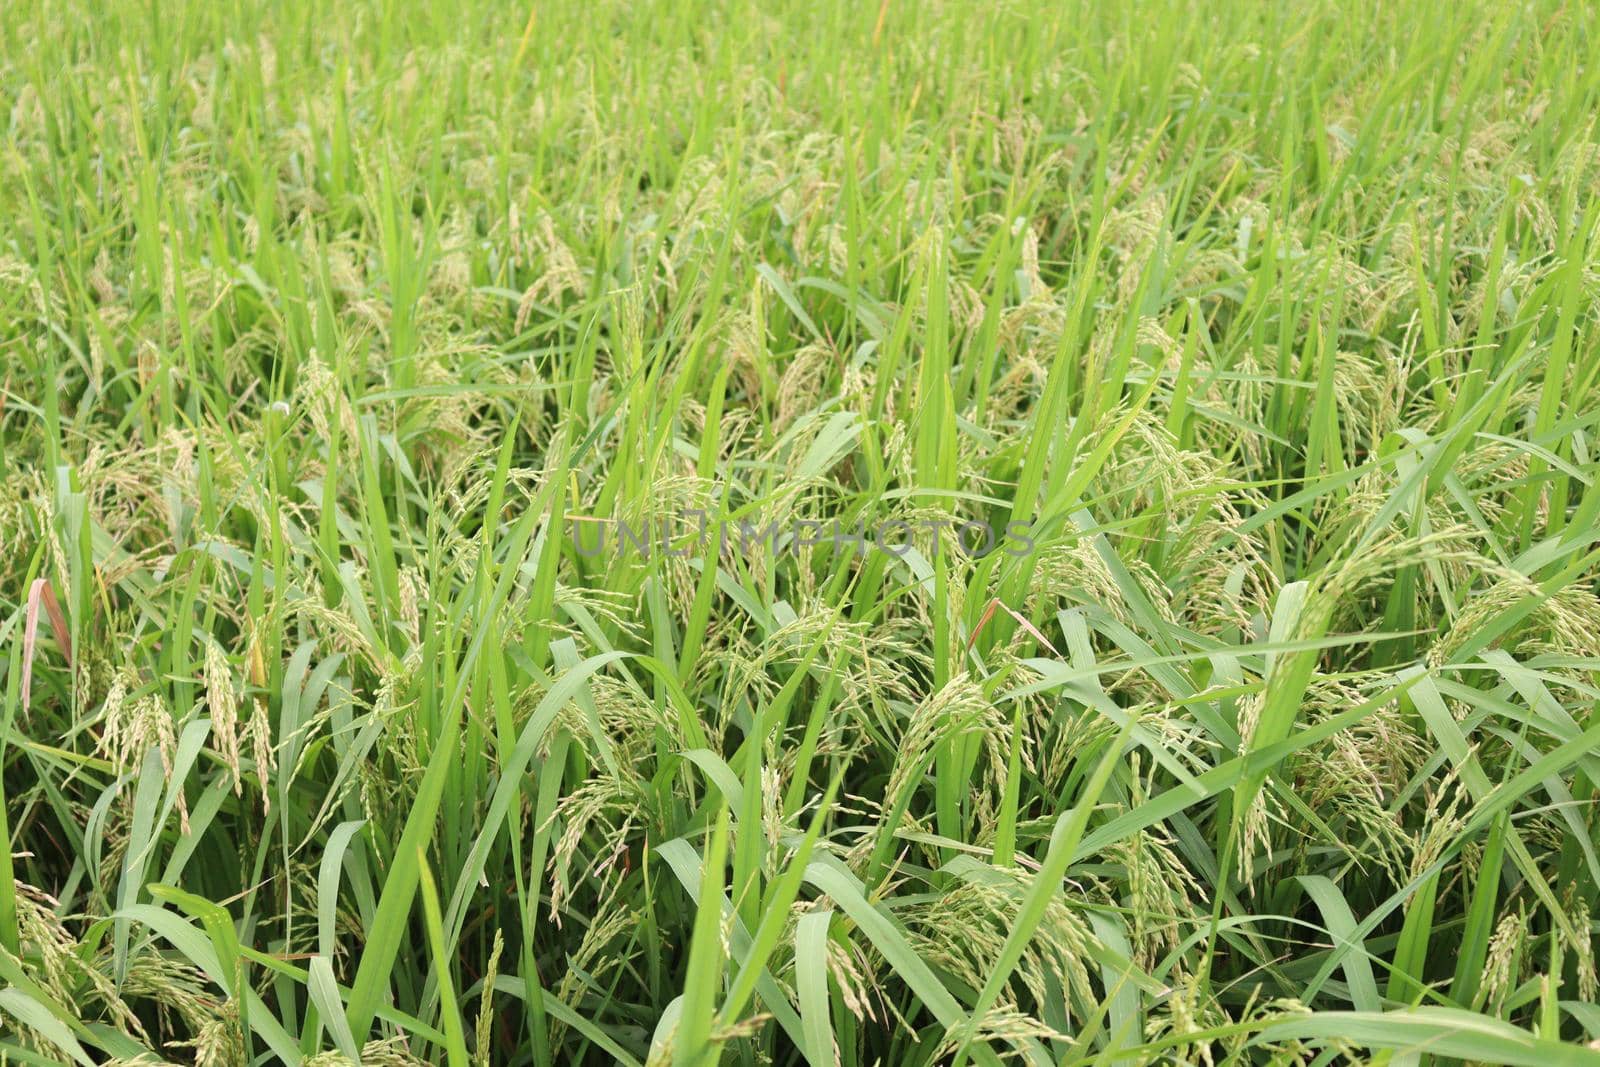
(1268, 733)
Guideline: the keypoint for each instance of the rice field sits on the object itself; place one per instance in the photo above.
(799, 534)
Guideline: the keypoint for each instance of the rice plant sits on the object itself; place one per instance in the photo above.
(801, 533)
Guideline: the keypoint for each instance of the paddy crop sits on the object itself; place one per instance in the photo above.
(803, 533)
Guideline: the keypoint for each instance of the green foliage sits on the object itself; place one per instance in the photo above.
(334, 340)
